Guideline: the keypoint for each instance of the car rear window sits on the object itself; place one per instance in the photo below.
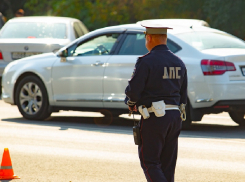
(34, 30)
(211, 40)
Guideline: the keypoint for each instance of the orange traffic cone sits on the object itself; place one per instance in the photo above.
(6, 170)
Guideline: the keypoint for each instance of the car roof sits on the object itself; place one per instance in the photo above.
(137, 27)
(180, 22)
(42, 19)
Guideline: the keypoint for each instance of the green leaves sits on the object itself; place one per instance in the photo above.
(226, 15)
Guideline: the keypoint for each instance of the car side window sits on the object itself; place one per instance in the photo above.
(77, 30)
(101, 45)
(173, 47)
(76, 33)
(83, 28)
(134, 44)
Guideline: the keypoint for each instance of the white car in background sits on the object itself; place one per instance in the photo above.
(92, 72)
(26, 36)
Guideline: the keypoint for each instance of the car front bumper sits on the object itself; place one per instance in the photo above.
(7, 88)
(6, 98)
(2, 67)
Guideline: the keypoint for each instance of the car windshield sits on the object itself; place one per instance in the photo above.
(34, 30)
(211, 40)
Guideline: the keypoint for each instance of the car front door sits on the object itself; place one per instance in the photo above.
(121, 66)
(77, 80)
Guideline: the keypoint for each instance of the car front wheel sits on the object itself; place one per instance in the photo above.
(32, 99)
(238, 117)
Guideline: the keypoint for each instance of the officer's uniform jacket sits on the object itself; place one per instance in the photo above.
(158, 75)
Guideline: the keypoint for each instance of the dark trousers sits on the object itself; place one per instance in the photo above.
(158, 151)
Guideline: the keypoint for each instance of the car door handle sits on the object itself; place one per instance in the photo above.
(98, 63)
(70, 59)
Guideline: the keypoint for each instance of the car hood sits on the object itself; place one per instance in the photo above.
(37, 61)
(44, 56)
(224, 51)
(35, 41)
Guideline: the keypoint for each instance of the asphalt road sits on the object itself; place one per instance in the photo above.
(70, 147)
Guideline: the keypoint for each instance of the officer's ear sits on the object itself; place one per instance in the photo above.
(148, 37)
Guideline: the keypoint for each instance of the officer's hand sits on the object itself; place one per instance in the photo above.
(133, 108)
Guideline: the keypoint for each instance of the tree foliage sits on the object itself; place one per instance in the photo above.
(9, 7)
(226, 15)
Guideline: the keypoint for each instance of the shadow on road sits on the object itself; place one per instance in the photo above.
(199, 130)
(100, 124)
(124, 126)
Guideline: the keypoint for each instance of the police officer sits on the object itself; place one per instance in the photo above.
(159, 76)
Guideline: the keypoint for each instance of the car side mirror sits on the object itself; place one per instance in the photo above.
(64, 53)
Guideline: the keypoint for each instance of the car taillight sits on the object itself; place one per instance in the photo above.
(1, 55)
(215, 67)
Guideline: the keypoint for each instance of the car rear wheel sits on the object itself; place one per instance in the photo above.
(238, 117)
(32, 98)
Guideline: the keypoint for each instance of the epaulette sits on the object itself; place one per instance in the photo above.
(144, 55)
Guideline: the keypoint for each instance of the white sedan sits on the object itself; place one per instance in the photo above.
(26, 36)
(92, 72)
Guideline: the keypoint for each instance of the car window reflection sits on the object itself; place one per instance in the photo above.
(101, 45)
